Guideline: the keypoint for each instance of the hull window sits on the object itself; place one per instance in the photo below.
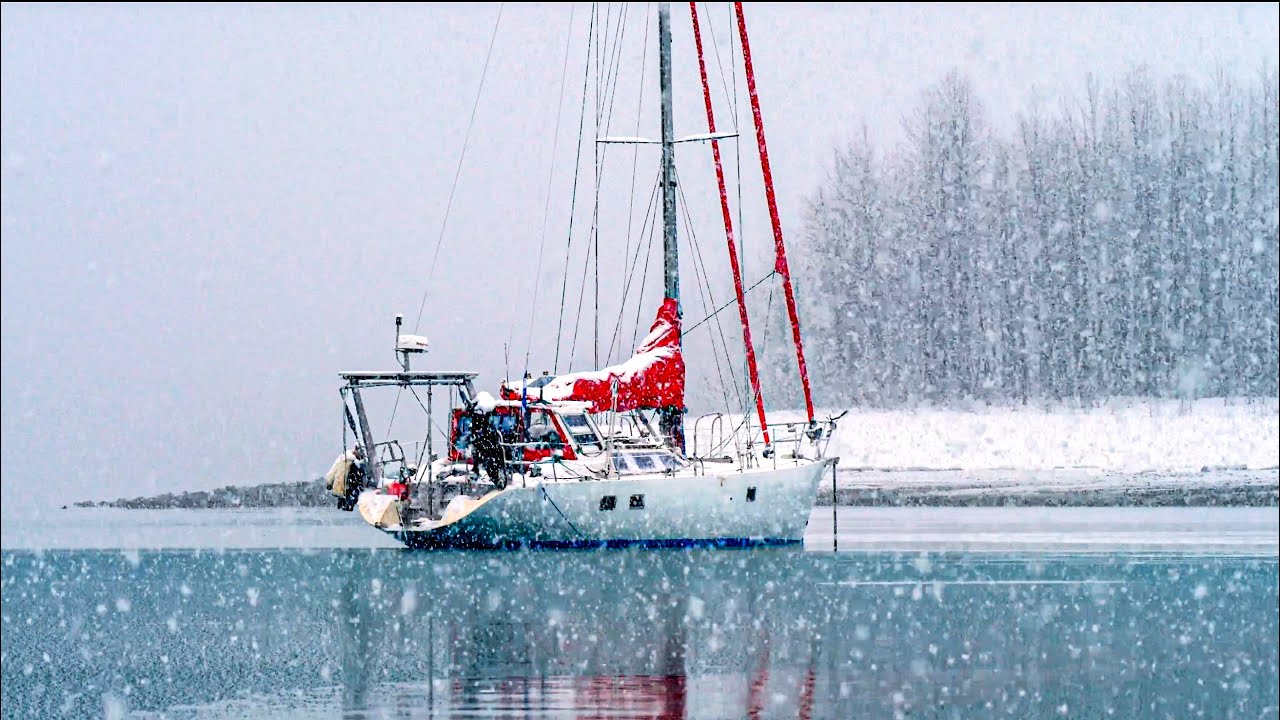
(751, 494)
(608, 502)
(637, 502)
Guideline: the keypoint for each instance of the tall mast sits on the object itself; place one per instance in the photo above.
(672, 417)
(670, 253)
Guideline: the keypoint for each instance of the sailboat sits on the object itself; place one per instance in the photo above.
(597, 458)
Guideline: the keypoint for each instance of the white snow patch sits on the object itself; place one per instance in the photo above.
(1120, 436)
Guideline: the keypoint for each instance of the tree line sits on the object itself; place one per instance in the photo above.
(1124, 244)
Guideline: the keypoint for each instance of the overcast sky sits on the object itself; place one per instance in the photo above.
(208, 211)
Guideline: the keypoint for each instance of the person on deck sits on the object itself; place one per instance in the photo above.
(347, 478)
(486, 445)
(356, 477)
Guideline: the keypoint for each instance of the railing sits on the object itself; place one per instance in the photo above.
(388, 454)
(710, 439)
(793, 441)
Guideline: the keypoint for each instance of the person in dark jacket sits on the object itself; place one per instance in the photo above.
(486, 448)
(356, 476)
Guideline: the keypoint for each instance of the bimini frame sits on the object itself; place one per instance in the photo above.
(358, 381)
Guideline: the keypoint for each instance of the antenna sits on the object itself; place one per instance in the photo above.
(406, 344)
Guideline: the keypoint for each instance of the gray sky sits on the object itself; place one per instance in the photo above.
(208, 211)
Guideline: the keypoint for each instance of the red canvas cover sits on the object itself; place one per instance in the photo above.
(652, 378)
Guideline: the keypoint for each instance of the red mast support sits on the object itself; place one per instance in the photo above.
(728, 230)
(781, 266)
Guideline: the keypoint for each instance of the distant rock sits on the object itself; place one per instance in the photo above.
(305, 493)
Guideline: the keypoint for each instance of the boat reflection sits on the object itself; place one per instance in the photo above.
(583, 634)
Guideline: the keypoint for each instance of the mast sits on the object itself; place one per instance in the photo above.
(672, 418)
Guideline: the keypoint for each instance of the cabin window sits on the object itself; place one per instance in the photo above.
(462, 439)
(541, 430)
(506, 424)
(622, 465)
(668, 461)
(583, 432)
(637, 502)
(630, 463)
(751, 494)
(608, 502)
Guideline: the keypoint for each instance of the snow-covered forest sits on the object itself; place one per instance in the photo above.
(1121, 243)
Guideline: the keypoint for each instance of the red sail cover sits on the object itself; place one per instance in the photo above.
(652, 378)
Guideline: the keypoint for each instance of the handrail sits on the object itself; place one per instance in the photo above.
(807, 440)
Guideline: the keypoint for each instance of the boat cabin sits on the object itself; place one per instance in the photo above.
(537, 430)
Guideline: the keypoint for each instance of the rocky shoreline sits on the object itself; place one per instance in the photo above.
(305, 493)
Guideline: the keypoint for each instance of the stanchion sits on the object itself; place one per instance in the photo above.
(835, 540)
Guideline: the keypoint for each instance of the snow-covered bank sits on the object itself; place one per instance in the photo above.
(1072, 487)
(1131, 436)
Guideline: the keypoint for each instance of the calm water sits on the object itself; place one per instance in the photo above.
(1009, 628)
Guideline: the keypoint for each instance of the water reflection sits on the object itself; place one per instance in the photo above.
(773, 633)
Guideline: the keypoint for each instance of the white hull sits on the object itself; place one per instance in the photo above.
(681, 509)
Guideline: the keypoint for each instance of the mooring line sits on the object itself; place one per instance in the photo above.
(557, 507)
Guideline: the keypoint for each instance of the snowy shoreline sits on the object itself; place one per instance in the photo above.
(1120, 436)
(1073, 487)
(1125, 452)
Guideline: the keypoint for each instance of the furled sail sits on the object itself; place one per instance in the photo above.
(652, 378)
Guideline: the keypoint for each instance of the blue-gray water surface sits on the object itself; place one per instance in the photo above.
(767, 633)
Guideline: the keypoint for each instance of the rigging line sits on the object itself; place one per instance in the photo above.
(703, 277)
(443, 436)
(594, 250)
(780, 249)
(734, 302)
(573, 197)
(700, 261)
(543, 488)
(610, 93)
(644, 276)
(753, 378)
(631, 194)
(737, 156)
(715, 48)
(631, 272)
(551, 172)
(582, 293)
(706, 290)
(393, 411)
(612, 71)
(466, 140)
(597, 32)
(768, 313)
(737, 175)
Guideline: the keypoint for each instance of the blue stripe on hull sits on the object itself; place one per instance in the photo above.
(429, 541)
